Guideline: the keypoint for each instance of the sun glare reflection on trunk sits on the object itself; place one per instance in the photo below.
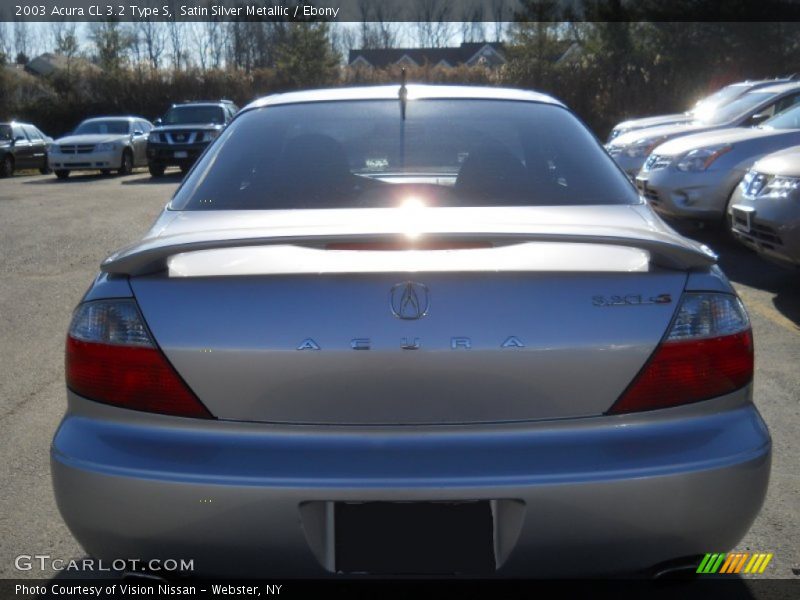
(410, 215)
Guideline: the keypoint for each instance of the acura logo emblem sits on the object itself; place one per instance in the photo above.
(409, 300)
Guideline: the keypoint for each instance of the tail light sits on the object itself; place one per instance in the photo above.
(111, 358)
(707, 352)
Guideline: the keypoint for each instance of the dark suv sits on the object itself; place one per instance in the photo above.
(184, 132)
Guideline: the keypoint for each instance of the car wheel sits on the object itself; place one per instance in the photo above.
(62, 173)
(126, 167)
(7, 166)
(156, 169)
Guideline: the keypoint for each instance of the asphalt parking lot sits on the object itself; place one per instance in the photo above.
(53, 235)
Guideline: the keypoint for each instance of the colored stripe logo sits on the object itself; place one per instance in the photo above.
(734, 562)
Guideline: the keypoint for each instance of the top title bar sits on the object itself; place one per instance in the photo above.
(396, 10)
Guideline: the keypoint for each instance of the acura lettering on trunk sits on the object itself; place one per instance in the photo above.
(410, 330)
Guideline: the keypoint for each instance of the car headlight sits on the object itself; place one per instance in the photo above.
(154, 137)
(700, 159)
(210, 136)
(642, 147)
(781, 186)
(752, 183)
(105, 147)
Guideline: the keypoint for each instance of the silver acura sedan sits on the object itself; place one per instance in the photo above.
(410, 330)
(693, 177)
(765, 208)
(630, 150)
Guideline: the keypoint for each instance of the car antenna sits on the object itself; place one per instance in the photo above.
(402, 94)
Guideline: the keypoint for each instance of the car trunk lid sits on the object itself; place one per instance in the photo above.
(304, 332)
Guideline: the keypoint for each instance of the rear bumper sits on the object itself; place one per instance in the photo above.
(614, 494)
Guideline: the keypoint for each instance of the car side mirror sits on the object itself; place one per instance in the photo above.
(138, 133)
(157, 122)
(758, 119)
(19, 138)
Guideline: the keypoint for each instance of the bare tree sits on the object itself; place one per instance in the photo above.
(432, 25)
(344, 39)
(385, 15)
(500, 13)
(177, 38)
(210, 41)
(472, 29)
(113, 41)
(22, 41)
(200, 42)
(377, 26)
(217, 34)
(65, 40)
(237, 47)
(367, 30)
(153, 36)
(6, 41)
(254, 45)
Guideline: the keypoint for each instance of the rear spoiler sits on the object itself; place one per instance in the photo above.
(152, 255)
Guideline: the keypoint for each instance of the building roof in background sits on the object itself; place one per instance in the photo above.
(49, 63)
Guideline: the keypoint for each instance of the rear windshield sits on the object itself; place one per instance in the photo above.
(88, 127)
(187, 115)
(352, 154)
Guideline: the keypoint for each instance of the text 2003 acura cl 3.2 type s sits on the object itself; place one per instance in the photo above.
(410, 330)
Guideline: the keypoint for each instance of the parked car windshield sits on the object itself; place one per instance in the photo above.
(788, 119)
(5, 132)
(349, 154)
(185, 115)
(115, 126)
(733, 109)
(706, 107)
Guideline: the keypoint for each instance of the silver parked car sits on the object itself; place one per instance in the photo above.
(765, 208)
(104, 144)
(632, 149)
(702, 110)
(693, 177)
(422, 329)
